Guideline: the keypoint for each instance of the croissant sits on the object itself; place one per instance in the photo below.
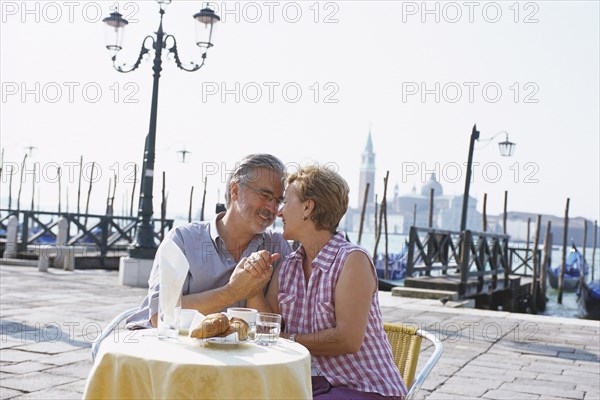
(212, 325)
(240, 326)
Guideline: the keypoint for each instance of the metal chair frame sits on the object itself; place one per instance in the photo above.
(109, 328)
(406, 342)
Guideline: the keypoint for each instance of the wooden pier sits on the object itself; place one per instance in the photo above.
(474, 265)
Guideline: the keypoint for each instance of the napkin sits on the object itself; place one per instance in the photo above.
(174, 268)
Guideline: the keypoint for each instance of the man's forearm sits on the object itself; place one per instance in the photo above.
(211, 301)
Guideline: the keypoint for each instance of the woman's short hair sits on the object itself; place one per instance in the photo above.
(327, 189)
(246, 170)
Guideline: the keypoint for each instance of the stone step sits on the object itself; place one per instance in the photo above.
(422, 293)
(18, 262)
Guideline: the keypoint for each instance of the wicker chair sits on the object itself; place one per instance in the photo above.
(406, 347)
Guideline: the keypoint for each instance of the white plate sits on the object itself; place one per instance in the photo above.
(222, 342)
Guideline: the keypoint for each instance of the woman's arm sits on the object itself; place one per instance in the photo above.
(267, 302)
(353, 294)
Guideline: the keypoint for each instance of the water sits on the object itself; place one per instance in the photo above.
(569, 307)
(267, 333)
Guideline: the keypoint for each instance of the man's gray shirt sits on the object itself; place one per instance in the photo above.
(211, 265)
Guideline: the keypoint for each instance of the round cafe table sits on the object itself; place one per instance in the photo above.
(137, 365)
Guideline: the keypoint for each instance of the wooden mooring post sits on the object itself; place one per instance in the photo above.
(561, 277)
(582, 275)
(547, 260)
(362, 213)
(536, 267)
(594, 248)
(431, 194)
(484, 214)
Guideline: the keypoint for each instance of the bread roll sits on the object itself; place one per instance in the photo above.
(211, 326)
(240, 326)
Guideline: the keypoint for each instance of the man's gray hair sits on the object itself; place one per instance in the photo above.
(247, 170)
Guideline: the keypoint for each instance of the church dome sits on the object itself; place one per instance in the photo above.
(432, 184)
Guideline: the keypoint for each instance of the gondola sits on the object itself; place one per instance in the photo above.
(589, 299)
(573, 268)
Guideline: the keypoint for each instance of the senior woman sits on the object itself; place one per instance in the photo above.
(326, 292)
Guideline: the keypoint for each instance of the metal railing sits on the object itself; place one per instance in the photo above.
(105, 232)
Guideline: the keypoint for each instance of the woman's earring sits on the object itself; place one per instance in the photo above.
(304, 218)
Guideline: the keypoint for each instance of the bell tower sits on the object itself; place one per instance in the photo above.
(367, 173)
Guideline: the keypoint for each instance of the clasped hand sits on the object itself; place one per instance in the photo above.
(253, 273)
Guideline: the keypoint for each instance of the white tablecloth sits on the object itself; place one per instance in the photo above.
(140, 366)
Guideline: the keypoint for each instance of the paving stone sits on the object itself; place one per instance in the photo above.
(51, 394)
(25, 367)
(439, 395)
(588, 389)
(49, 347)
(6, 393)
(592, 396)
(509, 395)
(77, 370)
(546, 390)
(17, 355)
(35, 381)
(75, 386)
(69, 357)
(586, 379)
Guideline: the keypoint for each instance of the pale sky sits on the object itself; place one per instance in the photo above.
(305, 81)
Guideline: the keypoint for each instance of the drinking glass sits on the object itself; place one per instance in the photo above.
(169, 310)
(268, 326)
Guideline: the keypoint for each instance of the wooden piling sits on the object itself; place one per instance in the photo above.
(87, 203)
(33, 191)
(114, 191)
(108, 197)
(484, 214)
(12, 172)
(135, 168)
(190, 209)
(383, 201)
(582, 275)
(58, 174)
(561, 277)
(504, 215)
(384, 205)
(547, 261)
(21, 185)
(536, 266)
(594, 248)
(415, 214)
(431, 194)
(203, 200)
(362, 213)
(375, 215)
(527, 258)
(79, 186)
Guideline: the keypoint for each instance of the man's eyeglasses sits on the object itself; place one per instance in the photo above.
(267, 197)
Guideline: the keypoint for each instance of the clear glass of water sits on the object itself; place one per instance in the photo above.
(268, 326)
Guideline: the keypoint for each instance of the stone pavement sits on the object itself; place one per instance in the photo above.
(49, 320)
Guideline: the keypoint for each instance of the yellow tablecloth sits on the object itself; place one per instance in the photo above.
(141, 367)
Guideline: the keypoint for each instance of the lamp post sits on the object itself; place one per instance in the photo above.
(144, 245)
(506, 150)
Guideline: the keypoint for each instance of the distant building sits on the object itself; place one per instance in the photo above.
(404, 211)
(411, 209)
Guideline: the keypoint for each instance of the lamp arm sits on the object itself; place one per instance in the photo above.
(173, 50)
(143, 51)
(487, 141)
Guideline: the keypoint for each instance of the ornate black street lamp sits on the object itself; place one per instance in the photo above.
(506, 150)
(144, 245)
